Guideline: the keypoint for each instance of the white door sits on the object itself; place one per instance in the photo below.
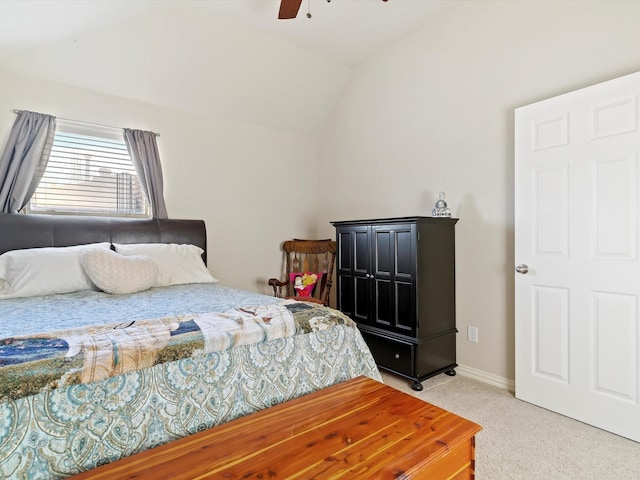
(576, 228)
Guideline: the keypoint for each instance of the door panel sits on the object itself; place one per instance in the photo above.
(361, 299)
(394, 277)
(576, 227)
(615, 334)
(360, 272)
(345, 257)
(352, 270)
(345, 297)
(383, 303)
(551, 203)
(551, 332)
(405, 262)
(383, 256)
(360, 247)
(383, 264)
(404, 278)
(404, 307)
(344, 269)
(615, 221)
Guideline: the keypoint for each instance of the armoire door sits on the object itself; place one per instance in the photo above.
(393, 272)
(577, 280)
(353, 267)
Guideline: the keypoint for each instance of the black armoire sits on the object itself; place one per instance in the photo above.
(396, 279)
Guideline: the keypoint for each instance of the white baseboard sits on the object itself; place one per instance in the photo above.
(486, 377)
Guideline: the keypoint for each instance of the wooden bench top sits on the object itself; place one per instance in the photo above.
(356, 429)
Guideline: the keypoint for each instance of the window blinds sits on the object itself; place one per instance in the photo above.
(89, 172)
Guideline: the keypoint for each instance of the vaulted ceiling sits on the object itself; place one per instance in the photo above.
(229, 58)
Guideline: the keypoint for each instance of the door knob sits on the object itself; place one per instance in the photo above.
(522, 268)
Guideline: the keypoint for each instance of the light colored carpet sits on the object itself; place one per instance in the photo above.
(520, 441)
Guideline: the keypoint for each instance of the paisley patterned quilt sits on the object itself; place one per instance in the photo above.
(33, 363)
(67, 406)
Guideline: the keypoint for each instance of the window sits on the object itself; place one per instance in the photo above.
(89, 172)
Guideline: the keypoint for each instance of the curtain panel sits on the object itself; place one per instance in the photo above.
(25, 158)
(143, 150)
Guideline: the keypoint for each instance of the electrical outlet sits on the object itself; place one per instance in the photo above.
(472, 334)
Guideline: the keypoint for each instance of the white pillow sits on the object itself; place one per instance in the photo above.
(178, 263)
(3, 274)
(118, 274)
(44, 271)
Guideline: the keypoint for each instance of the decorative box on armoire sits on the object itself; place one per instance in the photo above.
(396, 280)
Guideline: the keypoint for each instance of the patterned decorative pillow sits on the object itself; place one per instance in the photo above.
(304, 284)
(117, 274)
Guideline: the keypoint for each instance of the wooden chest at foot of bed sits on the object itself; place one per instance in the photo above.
(356, 429)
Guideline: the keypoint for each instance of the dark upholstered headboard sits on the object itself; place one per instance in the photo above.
(30, 231)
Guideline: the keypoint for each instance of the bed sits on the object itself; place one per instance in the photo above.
(88, 377)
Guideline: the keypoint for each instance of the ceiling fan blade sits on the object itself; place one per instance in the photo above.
(289, 9)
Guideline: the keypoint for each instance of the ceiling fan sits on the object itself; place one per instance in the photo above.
(289, 8)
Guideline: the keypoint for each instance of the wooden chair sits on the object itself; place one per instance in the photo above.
(303, 258)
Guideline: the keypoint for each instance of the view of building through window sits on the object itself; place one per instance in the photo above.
(89, 172)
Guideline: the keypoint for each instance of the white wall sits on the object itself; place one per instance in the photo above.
(435, 112)
(181, 55)
(233, 175)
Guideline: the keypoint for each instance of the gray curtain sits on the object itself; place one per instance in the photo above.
(143, 149)
(25, 158)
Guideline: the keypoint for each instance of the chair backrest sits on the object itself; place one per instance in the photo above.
(305, 258)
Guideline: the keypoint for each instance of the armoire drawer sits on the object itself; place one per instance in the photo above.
(392, 354)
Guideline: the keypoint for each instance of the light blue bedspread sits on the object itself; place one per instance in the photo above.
(26, 316)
